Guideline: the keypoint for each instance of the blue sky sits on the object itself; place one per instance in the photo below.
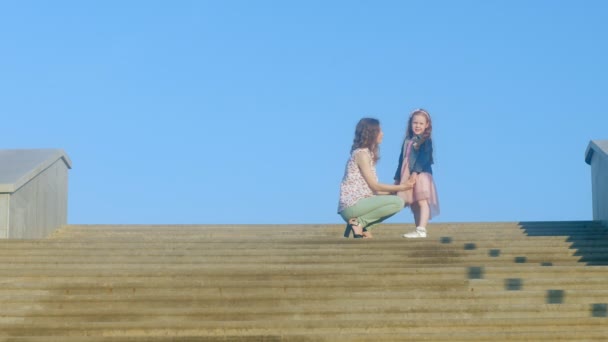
(244, 111)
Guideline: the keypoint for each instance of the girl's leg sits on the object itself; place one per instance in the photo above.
(423, 213)
(372, 210)
(416, 211)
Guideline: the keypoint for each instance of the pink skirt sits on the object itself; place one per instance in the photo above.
(424, 189)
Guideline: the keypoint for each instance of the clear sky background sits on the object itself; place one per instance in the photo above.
(244, 111)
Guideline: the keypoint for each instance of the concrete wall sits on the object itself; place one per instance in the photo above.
(33, 192)
(597, 156)
(4, 199)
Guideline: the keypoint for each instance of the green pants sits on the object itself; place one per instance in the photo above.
(372, 210)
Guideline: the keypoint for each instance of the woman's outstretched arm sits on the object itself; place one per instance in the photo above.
(363, 161)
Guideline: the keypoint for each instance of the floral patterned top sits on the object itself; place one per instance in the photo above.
(353, 186)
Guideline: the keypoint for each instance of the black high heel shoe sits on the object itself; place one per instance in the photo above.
(352, 223)
(347, 230)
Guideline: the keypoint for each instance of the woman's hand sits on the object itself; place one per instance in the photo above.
(406, 186)
(364, 163)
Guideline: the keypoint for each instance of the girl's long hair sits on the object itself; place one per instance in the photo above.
(366, 136)
(427, 132)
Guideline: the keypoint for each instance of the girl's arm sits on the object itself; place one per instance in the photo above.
(363, 161)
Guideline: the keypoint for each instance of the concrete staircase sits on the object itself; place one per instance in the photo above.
(528, 281)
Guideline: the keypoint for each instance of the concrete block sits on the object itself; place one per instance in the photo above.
(596, 155)
(33, 192)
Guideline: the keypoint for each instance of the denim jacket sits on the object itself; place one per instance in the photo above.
(419, 160)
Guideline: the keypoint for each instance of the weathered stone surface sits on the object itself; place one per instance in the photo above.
(523, 281)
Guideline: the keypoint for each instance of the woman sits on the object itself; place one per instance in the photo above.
(364, 202)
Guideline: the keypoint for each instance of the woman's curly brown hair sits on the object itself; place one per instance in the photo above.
(366, 136)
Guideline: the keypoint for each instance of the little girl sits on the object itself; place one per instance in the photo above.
(415, 167)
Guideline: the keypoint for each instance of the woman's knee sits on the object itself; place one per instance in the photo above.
(345, 215)
(397, 203)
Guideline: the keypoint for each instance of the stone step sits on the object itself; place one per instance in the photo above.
(343, 309)
(392, 260)
(320, 249)
(567, 293)
(508, 279)
(278, 230)
(507, 291)
(327, 250)
(294, 270)
(321, 243)
(176, 318)
(552, 335)
(304, 239)
(465, 249)
(333, 286)
(320, 237)
(175, 326)
(531, 226)
(310, 301)
(75, 284)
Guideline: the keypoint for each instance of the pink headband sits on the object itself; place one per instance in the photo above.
(420, 110)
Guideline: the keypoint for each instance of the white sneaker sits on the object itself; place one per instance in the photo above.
(420, 232)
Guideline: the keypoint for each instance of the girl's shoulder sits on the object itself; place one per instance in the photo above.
(427, 141)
